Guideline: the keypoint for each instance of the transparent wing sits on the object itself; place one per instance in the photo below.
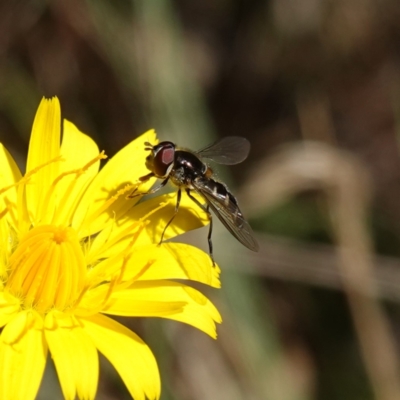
(228, 151)
(228, 212)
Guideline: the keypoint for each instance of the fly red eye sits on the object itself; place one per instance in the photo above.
(167, 155)
(164, 154)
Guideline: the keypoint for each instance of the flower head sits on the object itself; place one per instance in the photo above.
(75, 249)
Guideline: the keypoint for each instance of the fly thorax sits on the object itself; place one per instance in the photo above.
(178, 176)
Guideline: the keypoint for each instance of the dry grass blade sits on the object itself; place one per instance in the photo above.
(315, 264)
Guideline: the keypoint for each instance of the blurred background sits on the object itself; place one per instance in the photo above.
(315, 86)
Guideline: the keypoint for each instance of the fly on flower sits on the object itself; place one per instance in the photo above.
(187, 170)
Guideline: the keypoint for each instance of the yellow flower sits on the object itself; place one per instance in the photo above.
(74, 248)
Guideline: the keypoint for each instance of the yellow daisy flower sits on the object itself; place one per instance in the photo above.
(74, 249)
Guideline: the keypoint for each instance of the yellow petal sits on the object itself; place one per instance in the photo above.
(9, 308)
(74, 355)
(190, 216)
(6, 244)
(22, 362)
(155, 299)
(153, 262)
(197, 311)
(173, 261)
(123, 302)
(77, 150)
(17, 327)
(130, 356)
(44, 147)
(122, 170)
(117, 236)
(9, 175)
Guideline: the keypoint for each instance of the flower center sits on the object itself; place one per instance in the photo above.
(47, 269)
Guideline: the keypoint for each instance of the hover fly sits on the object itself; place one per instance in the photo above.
(187, 170)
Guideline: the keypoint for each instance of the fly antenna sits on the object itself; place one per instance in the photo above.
(148, 146)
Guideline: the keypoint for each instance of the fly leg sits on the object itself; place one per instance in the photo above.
(210, 245)
(178, 202)
(151, 191)
(207, 210)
